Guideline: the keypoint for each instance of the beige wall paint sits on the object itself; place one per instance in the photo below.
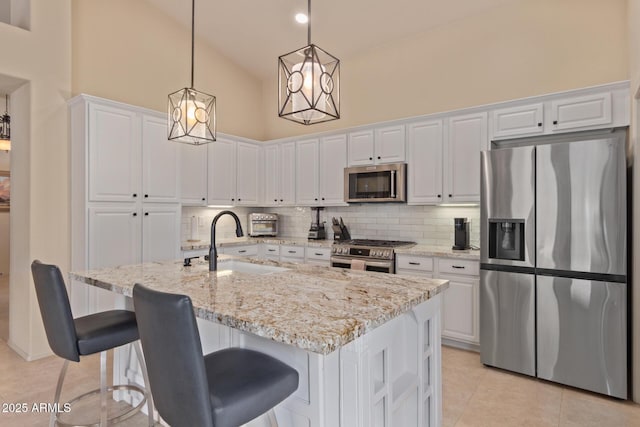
(522, 49)
(5, 165)
(129, 51)
(39, 159)
(634, 75)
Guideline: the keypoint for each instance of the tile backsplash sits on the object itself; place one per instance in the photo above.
(429, 225)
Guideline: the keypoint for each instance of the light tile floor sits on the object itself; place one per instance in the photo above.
(474, 395)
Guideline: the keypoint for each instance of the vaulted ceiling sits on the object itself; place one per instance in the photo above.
(253, 33)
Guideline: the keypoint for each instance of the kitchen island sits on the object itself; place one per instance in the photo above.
(366, 345)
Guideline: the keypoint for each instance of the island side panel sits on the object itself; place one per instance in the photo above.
(391, 377)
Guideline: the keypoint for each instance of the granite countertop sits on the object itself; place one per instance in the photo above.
(439, 251)
(312, 307)
(202, 244)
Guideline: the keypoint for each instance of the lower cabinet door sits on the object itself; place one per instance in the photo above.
(160, 232)
(460, 310)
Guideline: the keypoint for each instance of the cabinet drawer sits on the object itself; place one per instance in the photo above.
(292, 251)
(458, 266)
(248, 250)
(320, 254)
(272, 250)
(413, 262)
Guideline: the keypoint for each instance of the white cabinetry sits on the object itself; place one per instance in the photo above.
(291, 253)
(318, 256)
(124, 190)
(280, 174)
(460, 308)
(193, 174)
(424, 180)
(467, 138)
(233, 171)
(581, 111)
(250, 251)
(382, 145)
(320, 171)
(522, 120)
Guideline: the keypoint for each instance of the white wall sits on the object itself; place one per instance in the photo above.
(39, 159)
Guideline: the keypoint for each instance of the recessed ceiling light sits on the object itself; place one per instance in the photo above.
(301, 18)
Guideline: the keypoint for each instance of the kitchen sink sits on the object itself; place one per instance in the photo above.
(224, 267)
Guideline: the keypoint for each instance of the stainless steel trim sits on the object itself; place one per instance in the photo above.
(581, 206)
(393, 184)
(582, 334)
(507, 309)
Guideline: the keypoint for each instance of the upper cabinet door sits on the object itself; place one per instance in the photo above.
(193, 173)
(360, 148)
(288, 173)
(424, 168)
(522, 120)
(271, 175)
(467, 138)
(333, 160)
(160, 162)
(248, 173)
(221, 188)
(307, 172)
(389, 145)
(581, 112)
(114, 154)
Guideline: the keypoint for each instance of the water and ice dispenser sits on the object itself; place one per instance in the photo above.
(506, 239)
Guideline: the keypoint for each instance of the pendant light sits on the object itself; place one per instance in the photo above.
(191, 113)
(309, 83)
(5, 127)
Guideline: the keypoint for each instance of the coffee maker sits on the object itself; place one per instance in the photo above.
(461, 234)
(316, 231)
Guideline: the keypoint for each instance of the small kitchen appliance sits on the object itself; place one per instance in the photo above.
(461, 234)
(317, 231)
(263, 224)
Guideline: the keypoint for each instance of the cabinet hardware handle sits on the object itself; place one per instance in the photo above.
(370, 158)
(292, 252)
(458, 266)
(233, 200)
(539, 124)
(439, 196)
(323, 198)
(203, 199)
(316, 199)
(146, 214)
(280, 199)
(450, 195)
(146, 196)
(555, 122)
(316, 253)
(135, 195)
(242, 251)
(378, 157)
(413, 263)
(239, 200)
(135, 214)
(271, 250)
(275, 200)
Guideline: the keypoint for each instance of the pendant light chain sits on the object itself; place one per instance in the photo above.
(193, 26)
(308, 22)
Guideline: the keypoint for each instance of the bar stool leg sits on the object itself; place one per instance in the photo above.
(103, 389)
(272, 418)
(147, 387)
(56, 399)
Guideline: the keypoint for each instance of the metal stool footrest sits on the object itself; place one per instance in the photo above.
(123, 415)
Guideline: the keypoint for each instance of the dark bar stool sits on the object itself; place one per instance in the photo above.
(71, 338)
(225, 388)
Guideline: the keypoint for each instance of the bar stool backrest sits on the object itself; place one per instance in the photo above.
(55, 310)
(173, 354)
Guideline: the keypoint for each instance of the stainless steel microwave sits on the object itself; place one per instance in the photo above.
(376, 183)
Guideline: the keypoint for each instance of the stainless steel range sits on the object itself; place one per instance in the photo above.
(366, 254)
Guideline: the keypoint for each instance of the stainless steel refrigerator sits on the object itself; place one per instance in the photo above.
(553, 285)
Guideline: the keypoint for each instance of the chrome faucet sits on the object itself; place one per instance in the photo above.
(213, 254)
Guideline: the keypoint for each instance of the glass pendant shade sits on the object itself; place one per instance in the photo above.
(192, 117)
(309, 86)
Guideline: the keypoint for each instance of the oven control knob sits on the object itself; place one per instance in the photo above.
(376, 253)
